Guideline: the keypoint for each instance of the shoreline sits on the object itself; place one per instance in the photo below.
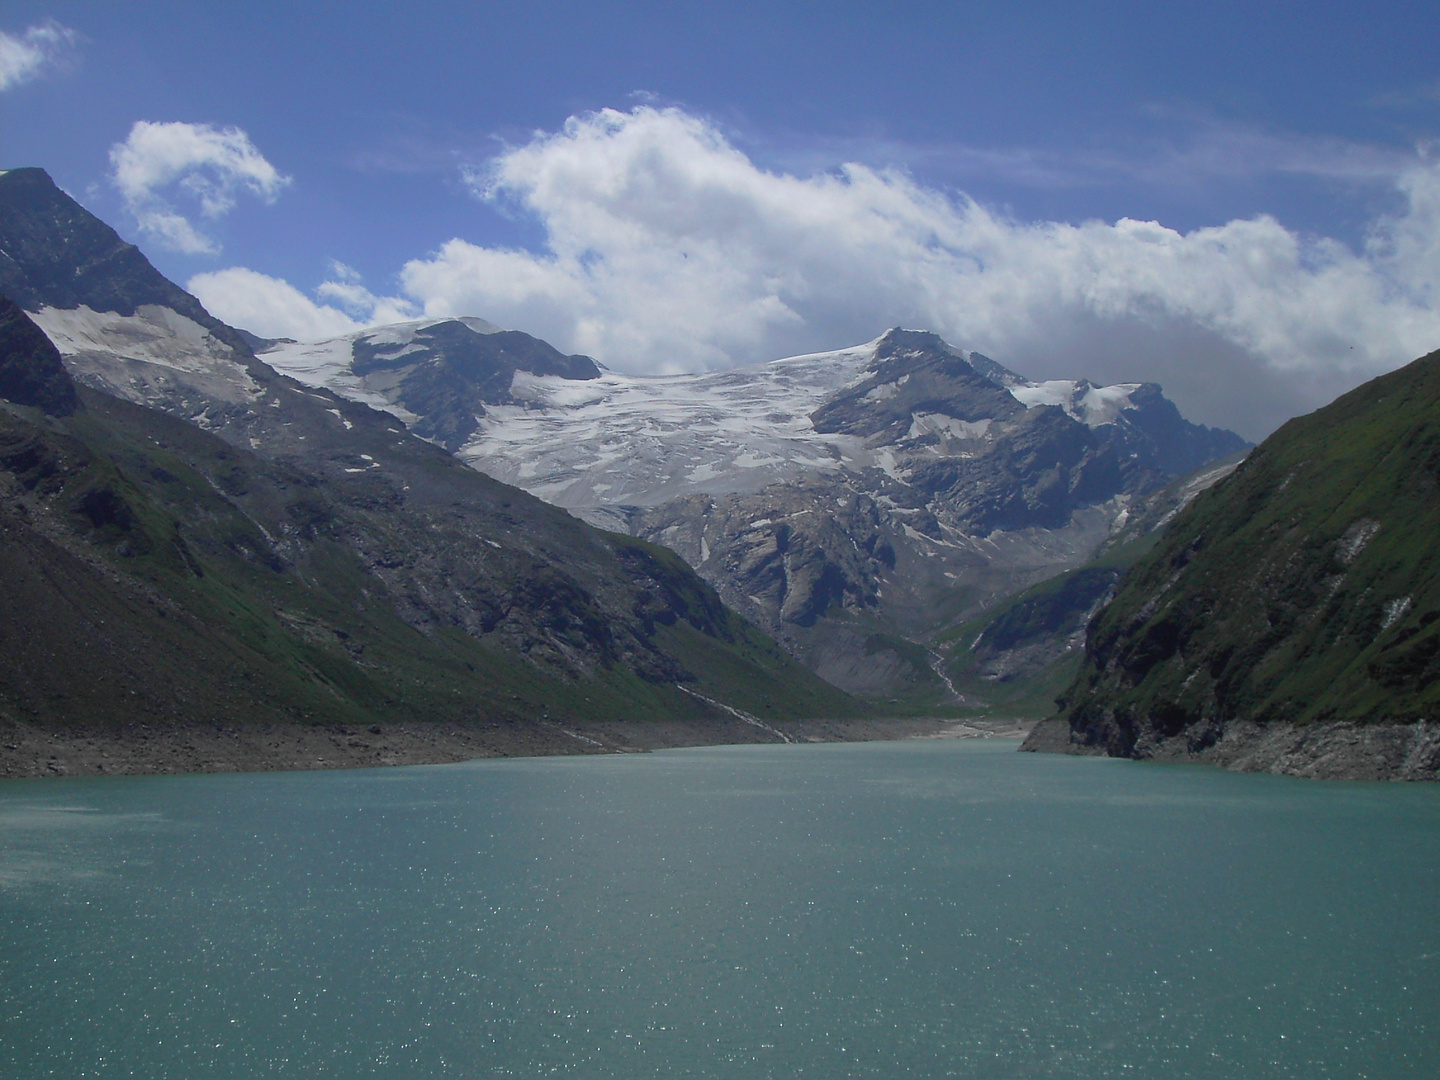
(28, 751)
(1334, 750)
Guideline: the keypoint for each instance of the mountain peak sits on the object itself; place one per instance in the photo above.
(438, 375)
(55, 253)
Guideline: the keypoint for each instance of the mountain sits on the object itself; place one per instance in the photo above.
(854, 503)
(1288, 619)
(193, 537)
(438, 375)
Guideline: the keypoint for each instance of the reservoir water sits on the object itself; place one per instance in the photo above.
(919, 909)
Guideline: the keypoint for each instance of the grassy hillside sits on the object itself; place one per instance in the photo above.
(153, 574)
(1305, 587)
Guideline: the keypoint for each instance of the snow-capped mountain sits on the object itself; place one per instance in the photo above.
(353, 563)
(618, 440)
(882, 489)
(440, 376)
(852, 502)
(600, 440)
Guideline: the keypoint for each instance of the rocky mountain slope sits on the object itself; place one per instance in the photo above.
(853, 503)
(1289, 618)
(441, 376)
(1020, 653)
(192, 537)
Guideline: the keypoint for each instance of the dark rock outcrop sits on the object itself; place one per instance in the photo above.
(927, 375)
(54, 252)
(31, 371)
(447, 373)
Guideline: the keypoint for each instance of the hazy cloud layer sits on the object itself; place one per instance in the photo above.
(1178, 150)
(200, 163)
(29, 55)
(668, 249)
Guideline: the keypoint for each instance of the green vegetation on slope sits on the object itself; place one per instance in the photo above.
(1305, 587)
(156, 575)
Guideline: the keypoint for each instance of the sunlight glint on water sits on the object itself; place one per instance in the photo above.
(905, 909)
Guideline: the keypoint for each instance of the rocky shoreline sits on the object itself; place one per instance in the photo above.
(29, 751)
(1334, 751)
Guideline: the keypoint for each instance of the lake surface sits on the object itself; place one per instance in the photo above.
(920, 909)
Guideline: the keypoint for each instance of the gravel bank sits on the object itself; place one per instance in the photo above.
(32, 751)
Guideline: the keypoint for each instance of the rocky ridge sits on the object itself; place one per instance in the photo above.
(854, 503)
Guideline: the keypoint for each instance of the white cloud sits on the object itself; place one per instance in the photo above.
(200, 162)
(668, 250)
(174, 231)
(267, 306)
(27, 56)
(272, 307)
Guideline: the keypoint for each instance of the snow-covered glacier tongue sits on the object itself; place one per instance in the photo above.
(853, 502)
(590, 439)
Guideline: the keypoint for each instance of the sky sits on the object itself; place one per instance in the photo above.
(1241, 202)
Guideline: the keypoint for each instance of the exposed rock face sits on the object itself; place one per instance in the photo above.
(437, 375)
(914, 373)
(31, 371)
(54, 253)
(1300, 596)
(976, 496)
(1318, 751)
(851, 502)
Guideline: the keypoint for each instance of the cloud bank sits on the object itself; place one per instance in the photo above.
(29, 55)
(667, 249)
(203, 163)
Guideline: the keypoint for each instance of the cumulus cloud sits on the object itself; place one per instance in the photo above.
(272, 307)
(668, 249)
(29, 55)
(198, 162)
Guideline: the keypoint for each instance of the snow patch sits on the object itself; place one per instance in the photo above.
(922, 423)
(105, 346)
(1092, 405)
(1394, 610)
(646, 439)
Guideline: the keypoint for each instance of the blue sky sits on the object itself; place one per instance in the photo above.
(778, 178)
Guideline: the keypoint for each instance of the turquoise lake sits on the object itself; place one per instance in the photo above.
(916, 909)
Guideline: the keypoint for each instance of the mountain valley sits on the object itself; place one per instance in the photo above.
(458, 531)
(855, 503)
